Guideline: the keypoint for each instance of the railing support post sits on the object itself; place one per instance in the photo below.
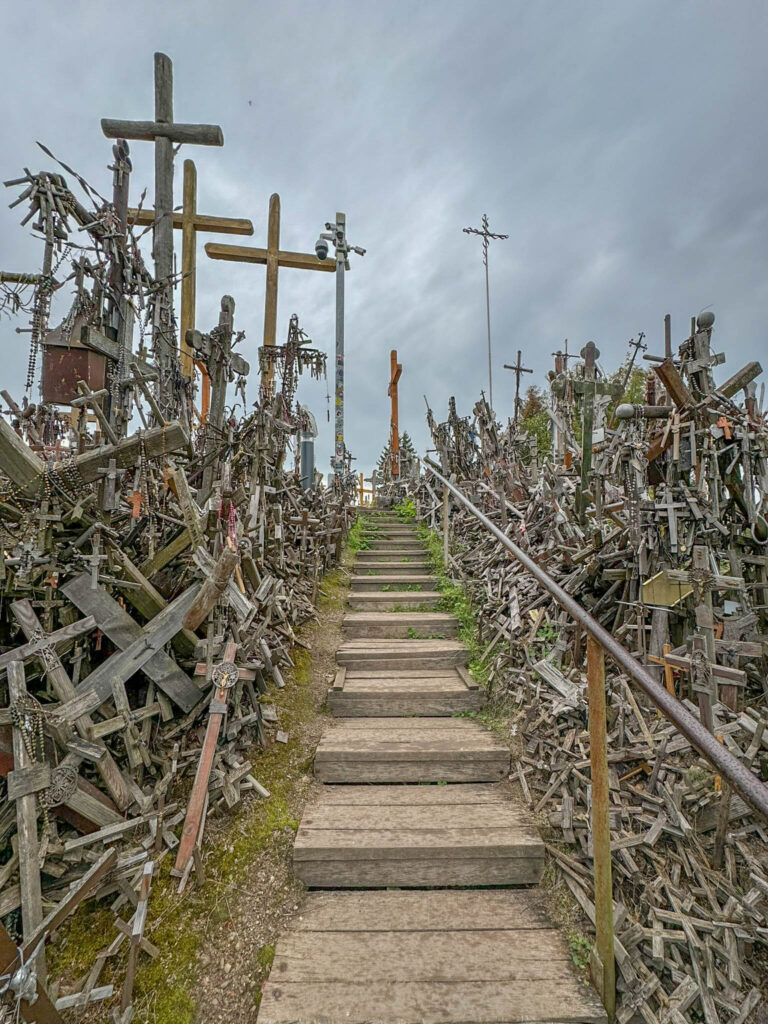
(446, 506)
(604, 970)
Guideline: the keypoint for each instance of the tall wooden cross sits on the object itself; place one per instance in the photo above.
(163, 131)
(190, 222)
(395, 369)
(273, 258)
(589, 388)
(518, 369)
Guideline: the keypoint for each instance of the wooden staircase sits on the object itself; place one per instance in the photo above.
(413, 806)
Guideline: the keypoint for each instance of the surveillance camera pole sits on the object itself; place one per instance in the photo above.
(337, 233)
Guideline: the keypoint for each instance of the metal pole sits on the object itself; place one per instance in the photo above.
(339, 420)
(604, 975)
(488, 320)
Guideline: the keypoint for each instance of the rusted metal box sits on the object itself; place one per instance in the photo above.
(66, 361)
(64, 366)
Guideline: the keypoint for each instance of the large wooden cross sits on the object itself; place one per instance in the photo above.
(274, 258)
(518, 369)
(395, 369)
(190, 222)
(163, 131)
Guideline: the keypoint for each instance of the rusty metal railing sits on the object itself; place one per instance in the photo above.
(600, 641)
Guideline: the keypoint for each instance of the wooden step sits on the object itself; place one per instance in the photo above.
(409, 567)
(408, 654)
(397, 554)
(394, 600)
(374, 836)
(399, 624)
(364, 692)
(435, 957)
(409, 750)
(397, 584)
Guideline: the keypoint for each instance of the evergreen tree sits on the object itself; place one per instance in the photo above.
(534, 419)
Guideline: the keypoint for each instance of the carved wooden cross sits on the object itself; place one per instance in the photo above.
(190, 222)
(518, 369)
(588, 388)
(163, 131)
(395, 369)
(274, 258)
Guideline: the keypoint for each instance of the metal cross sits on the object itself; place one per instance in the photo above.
(486, 234)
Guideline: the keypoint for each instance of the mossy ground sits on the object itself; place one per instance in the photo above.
(188, 928)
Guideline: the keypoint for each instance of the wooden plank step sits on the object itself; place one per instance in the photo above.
(385, 654)
(445, 839)
(440, 692)
(391, 554)
(409, 750)
(394, 583)
(394, 600)
(435, 957)
(399, 624)
(411, 567)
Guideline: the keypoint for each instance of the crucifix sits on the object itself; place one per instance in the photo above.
(518, 369)
(190, 222)
(273, 258)
(163, 131)
(395, 369)
(486, 234)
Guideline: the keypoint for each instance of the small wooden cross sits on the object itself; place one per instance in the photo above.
(190, 222)
(395, 370)
(518, 369)
(273, 257)
(164, 132)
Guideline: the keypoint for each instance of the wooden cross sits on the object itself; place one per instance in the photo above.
(163, 131)
(214, 350)
(273, 258)
(395, 369)
(190, 222)
(588, 388)
(518, 369)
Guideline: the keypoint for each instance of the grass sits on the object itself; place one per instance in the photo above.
(406, 510)
(455, 600)
(181, 926)
(356, 540)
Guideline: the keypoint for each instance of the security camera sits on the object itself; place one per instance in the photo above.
(321, 248)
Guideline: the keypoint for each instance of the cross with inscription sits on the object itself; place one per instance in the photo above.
(274, 258)
(190, 222)
(164, 132)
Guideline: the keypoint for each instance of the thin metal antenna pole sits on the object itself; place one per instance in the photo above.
(486, 234)
(488, 320)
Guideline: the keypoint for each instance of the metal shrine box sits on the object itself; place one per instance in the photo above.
(64, 364)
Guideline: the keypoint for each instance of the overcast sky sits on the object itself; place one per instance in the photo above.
(620, 145)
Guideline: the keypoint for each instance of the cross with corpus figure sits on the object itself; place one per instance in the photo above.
(518, 369)
(394, 376)
(163, 131)
(190, 222)
(274, 258)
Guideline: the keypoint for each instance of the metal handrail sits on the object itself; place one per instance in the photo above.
(747, 785)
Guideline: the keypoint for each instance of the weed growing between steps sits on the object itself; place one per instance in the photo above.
(406, 510)
(357, 540)
(222, 935)
(455, 600)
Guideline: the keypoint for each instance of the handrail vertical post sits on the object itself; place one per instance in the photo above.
(601, 827)
(446, 507)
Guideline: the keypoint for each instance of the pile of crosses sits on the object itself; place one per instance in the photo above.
(652, 515)
(156, 562)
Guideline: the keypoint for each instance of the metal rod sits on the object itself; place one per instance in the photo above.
(747, 785)
(601, 825)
